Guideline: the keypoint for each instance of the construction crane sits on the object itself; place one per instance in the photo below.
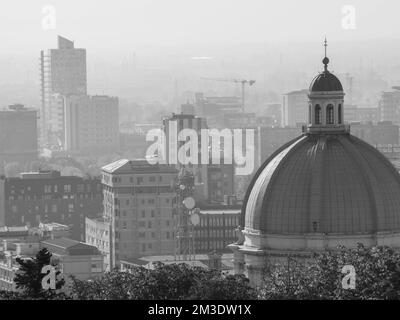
(243, 82)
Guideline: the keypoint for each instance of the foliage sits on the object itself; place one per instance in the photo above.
(377, 276)
(29, 276)
(164, 282)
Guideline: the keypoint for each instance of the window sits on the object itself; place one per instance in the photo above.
(67, 188)
(47, 189)
(317, 114)
(152, 179)
(329, 114)
(340, 114)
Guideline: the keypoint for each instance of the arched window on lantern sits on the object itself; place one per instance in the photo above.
(317, 114)
(340, 114)
(330, 118)
(309, 113)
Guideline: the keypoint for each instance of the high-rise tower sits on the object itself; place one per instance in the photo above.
(62, 73)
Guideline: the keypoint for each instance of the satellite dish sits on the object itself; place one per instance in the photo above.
(189, 203)
(195, 219)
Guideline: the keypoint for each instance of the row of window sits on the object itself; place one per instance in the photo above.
(330, 114)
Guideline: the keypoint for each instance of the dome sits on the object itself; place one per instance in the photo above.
(331, 184)
(325, 81)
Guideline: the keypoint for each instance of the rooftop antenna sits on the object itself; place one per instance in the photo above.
(325, 61)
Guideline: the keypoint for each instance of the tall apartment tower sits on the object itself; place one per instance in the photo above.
(139, 205)
(62, 73)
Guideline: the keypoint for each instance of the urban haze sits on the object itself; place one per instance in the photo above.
(199, 150)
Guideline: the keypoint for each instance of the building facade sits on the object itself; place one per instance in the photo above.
(216, 229)
(74, 258)
(98, 235)
(172, 126)
(294, 108)
(91, 124)
(62, 73)
(47, 196)
(139, 204)
(389, 105)
(18, 134)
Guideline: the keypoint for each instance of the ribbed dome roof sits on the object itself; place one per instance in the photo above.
(334, 184)
(326, 81)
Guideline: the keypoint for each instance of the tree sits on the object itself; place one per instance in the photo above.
(29, 276)
(164, 282)
(377, 276)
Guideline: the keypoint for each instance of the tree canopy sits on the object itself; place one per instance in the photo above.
(377, 276)
(164, 282)
(29, 276)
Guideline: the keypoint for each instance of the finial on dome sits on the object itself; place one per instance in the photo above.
(325, 61)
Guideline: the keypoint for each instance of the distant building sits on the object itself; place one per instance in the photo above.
(211, 107)
(369, 114)
(47, 196)
(381, 134)
(91, 124)
(98, 235)
(350, 113)
(10, 250)
(63, 72)
(22, 242)
(51, 230)
(294, 108)
(363, 114)
(389, 105)
(18, 134)
(221, 182)
(188, 108)
(243, 120)
(139, 204)
(75, 258)
(180, 122)
(274, 110)
(216, 229)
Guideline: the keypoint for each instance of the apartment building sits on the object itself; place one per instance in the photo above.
(47, 196)
(139, 204)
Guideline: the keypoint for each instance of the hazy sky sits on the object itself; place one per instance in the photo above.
(124, 24)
